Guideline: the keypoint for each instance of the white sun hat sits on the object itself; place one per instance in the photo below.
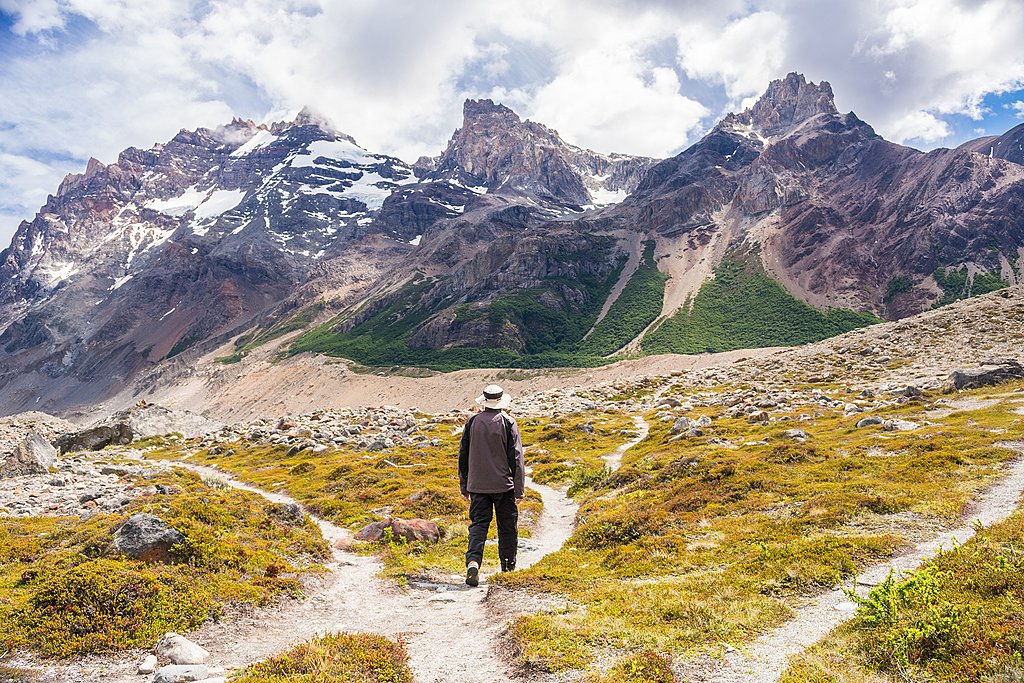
(494, 397)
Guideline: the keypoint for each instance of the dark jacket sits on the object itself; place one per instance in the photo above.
(491, 455)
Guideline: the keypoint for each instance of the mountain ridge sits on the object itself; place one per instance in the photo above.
(499, 244)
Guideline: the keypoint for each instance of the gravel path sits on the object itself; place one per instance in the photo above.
(766, 659)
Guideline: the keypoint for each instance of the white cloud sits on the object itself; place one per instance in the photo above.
(615, 102)
(919, 126)
(743, 54)
(1018, 108)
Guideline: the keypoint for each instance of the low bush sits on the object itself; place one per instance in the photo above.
(348, 657)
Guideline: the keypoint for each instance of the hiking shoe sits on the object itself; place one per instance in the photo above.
(473, 574)
(508, 565)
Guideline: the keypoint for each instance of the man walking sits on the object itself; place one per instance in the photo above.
(491, 478)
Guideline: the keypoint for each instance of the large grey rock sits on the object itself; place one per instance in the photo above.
(180, 650)
(34, 455)
(146, 537)
(181, 673)
(991, 372)
(95, 438)
(869, 421)
(150, 419)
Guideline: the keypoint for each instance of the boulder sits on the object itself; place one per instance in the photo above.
(681, 425)
(181, 673)
(702, 421)
(416, 530)
(180, 650)
(758, 416)
(409, 529)
(991, 372)
(899, 426)
(95, 438)
(869, 421)
(798, 434)
(146, 537)
(669, 402)
(33, 455)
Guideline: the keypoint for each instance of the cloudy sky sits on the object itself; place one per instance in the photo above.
(81, 78)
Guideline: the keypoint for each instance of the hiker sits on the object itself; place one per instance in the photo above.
(491, 479)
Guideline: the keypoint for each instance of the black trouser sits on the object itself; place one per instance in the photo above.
(480, 513)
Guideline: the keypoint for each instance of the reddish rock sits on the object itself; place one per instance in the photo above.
(409, 529)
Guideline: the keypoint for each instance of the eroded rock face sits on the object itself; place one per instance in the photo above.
(34, 455)
(146, 537)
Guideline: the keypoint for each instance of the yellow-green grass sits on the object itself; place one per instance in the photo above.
(564, 450)
(692, 543)
(13, 675)
(352, 488)
(348, 657)
(959, 618)
(63, 591)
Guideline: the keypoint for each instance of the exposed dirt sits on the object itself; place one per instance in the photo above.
(257, 387)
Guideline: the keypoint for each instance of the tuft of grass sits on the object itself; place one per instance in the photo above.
(349, 657)
(642, 667)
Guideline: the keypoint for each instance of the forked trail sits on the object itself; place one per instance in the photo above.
(448, 632)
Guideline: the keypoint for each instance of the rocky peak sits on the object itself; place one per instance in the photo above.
(486, 112)
(789, 102)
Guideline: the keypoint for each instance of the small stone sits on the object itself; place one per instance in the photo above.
(181, 673)
(681, 425)
(148, 665)
(180, 650)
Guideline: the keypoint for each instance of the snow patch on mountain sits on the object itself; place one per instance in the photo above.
(261, 139)
(218, 202)
(180, 205)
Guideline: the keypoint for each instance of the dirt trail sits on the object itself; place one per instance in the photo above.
(443, 628)
(766, 659)
(614, 459)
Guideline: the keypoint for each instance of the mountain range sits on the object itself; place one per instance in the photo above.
(787, 222)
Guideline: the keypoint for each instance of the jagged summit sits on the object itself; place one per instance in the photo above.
(790, 101)
(485, 108)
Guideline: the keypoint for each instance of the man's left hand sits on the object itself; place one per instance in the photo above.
(519, 500)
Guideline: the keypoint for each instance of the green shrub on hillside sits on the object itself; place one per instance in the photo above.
(550, 320)
(638, 305)
(957, 283)
(958, 618)
(741, 308)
